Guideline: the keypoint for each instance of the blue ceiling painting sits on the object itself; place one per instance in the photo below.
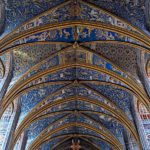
(49, 145)
(17, 12)
(126, 57)
(30, 55)
(33, 97)
(132, 11)
(100, 144)
(4, 68)
(75, 73)
(35, 128)
(123, 98)
(74, 118)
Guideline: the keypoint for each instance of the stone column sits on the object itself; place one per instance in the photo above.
(13, 125)
(139, 125)
(121, 139)
(130, 142)
(142, 72)
(8, 79)
(21, 143)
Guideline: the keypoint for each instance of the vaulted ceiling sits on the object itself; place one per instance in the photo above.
(73, 70)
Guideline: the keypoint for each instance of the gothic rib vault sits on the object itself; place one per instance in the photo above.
(74, 74)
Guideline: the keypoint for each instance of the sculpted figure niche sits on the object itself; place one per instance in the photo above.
(147, 13)
(1, 69)
(2, 15)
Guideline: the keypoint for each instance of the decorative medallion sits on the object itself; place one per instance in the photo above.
(75, 145)
(75, 9)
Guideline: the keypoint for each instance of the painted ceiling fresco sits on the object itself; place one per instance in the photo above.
(74, 75)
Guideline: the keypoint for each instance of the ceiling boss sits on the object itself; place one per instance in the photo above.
(75, 145)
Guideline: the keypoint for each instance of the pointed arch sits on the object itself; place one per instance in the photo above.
(138, 91)
(5, 43)
(109, 139)
(31, 116)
